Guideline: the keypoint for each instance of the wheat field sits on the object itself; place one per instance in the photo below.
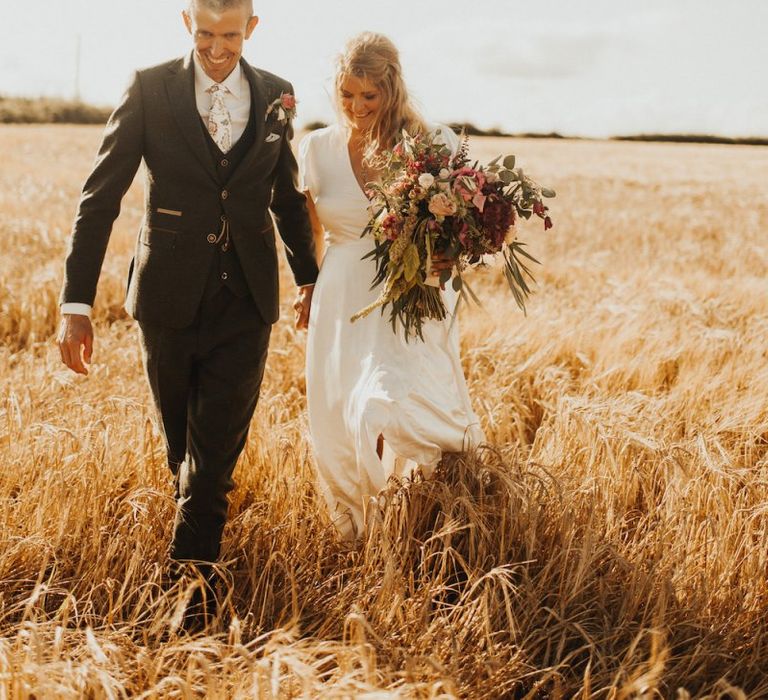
(611, 541)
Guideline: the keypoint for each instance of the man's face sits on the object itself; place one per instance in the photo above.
(219, 37)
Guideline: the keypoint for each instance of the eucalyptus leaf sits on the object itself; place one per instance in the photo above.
(457, 283)
(411, 262)
(507, 177)
(445, 275)
(546, 192)
(519, 249)
(509, 162)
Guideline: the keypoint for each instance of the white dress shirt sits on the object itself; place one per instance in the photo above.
(237, 98)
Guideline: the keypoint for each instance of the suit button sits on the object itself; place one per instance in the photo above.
(224, 194)
(224, 275)
(211, 238)
(224, 163)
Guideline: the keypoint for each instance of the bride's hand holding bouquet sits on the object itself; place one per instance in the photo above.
(431, 205)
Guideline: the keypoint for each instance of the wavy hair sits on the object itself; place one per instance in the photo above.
(374, 57)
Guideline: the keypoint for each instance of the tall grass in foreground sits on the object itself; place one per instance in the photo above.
(611, 542)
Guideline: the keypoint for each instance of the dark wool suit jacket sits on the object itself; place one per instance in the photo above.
(158, 121)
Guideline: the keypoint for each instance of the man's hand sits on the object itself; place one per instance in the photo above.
(75, 341)
(302, 305)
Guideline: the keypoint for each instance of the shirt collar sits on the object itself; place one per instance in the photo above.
(233, 82)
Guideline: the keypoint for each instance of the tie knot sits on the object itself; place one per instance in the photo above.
(216, 87)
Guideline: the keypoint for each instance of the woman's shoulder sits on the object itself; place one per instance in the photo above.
(443, 134)
(319, 137)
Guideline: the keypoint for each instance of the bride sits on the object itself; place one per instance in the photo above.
(378, 405)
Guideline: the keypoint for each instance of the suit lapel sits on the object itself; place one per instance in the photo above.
(258, 110)
(181, 94)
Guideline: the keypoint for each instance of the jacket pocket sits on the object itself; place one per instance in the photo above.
(156, 237)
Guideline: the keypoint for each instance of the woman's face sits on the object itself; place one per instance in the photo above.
(360, 101)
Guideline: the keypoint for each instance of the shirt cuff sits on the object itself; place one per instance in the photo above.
(78, 309)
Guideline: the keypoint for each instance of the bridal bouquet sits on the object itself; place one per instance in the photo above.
(432, 202)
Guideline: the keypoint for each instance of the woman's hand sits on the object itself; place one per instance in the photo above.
(302, 306)
(438, 265)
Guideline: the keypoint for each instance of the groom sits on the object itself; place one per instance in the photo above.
(214, 135)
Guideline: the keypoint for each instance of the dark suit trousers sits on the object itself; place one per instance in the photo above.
(205, 380)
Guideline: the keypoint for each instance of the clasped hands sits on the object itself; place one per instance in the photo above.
(302, 306)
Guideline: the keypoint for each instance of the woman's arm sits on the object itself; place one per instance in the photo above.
(303, 303)
(318, 232)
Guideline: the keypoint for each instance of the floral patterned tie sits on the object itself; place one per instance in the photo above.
(219, 120)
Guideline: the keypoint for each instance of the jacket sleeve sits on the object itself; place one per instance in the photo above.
(290, 209)
(116, 164)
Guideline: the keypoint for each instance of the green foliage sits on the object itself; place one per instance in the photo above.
(411, 262)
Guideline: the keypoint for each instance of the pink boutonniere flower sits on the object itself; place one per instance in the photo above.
(284, 106)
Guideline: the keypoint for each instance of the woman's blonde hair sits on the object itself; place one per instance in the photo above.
(374, 57)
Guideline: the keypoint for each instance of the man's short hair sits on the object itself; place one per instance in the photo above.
(220, 5)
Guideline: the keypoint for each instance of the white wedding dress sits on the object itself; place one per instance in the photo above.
(363, 380)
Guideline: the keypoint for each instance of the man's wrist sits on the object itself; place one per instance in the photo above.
(76, 309)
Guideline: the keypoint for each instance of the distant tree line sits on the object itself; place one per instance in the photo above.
(472, 130)
(45, 110)
(695, 138)
(49, 110)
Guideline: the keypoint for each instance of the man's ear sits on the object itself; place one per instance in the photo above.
(187, 20)
(252, 22)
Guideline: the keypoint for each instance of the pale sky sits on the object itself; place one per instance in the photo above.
(588, 68)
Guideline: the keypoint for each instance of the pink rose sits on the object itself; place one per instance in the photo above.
(479, 201)
(287, 101)
(442, 205)
(476, 175)
(467, 182)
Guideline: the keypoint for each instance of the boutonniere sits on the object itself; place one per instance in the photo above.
(285, 106)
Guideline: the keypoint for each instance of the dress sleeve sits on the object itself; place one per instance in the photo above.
(306, 166)
(447, 136)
